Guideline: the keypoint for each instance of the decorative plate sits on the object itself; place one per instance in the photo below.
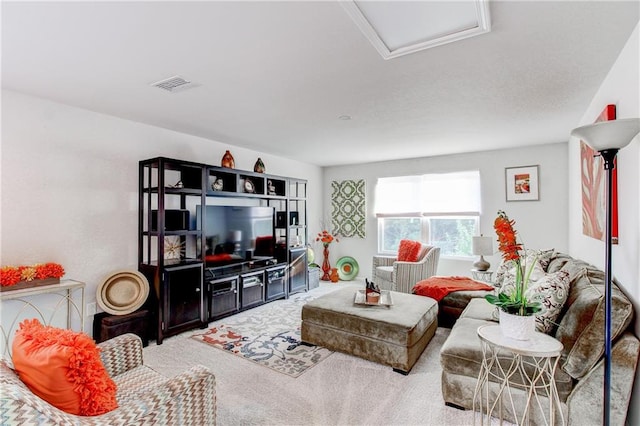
(123, 292)
(347, 268)
(249, 187)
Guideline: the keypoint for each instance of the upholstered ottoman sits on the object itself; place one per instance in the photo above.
(394, 335)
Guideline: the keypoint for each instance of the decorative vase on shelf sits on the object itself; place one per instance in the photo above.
(228, 161)
(334, 275)
(326, 266)
(518, 327)
(259, 166)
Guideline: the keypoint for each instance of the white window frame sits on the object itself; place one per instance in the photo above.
(392, 208)
(425, 232)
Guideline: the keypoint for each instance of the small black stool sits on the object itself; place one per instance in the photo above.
(107, 326)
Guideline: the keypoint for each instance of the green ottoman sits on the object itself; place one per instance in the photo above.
(394, 336)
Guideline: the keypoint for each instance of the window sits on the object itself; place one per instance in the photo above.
(440, 209)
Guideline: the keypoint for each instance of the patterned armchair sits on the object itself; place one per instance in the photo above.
(144, 396)
(391, 274)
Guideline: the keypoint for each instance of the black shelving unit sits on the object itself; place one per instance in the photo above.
(185, 294)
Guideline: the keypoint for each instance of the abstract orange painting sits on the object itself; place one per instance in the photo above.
(593, 189)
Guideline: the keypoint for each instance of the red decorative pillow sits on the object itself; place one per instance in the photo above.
(63, 367)
(408, 251)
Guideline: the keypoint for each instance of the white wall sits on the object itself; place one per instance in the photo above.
(70, 184)
(541, 224)
(622, 88)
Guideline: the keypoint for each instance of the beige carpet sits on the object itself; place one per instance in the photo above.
(340, 390)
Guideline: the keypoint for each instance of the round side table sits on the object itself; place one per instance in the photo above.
(484, 276)
(527, 365)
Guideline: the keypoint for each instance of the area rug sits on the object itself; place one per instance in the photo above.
(269, 337)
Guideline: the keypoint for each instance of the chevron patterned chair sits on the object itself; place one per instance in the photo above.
(144, 396)
(391, 274)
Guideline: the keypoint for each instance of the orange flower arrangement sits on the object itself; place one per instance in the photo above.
(516, 302)
(326, 238)
(12, 275)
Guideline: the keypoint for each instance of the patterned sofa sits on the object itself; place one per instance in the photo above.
(580, 372)
(144, 396)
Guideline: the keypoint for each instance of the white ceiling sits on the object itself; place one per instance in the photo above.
(276, 76)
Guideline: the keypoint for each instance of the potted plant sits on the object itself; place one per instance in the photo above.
(516, 309)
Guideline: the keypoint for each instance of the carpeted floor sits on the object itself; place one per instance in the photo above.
(270, 337)
(340, 390)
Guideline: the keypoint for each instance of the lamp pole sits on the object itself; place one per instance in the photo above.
(608, 155)
(607, 138)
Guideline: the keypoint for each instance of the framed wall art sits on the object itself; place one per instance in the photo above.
(593, 180)
(521, 183)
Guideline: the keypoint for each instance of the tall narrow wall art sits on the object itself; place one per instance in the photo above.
(348, 208)
(593, 188)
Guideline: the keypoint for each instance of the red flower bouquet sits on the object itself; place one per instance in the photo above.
(516, 302)
(12, 275)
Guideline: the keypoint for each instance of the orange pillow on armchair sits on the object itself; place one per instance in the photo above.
(64, 368)
(409, 251)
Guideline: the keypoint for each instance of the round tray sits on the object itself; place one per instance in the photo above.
(122, 292)
(347, 268)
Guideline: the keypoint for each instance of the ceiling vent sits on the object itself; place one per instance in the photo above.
(174, 84)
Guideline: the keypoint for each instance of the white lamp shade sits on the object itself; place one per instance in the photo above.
(482, 246)
(605, 135)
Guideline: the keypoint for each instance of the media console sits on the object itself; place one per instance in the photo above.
(202, 263)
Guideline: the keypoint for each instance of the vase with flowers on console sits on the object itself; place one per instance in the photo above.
(326, 239)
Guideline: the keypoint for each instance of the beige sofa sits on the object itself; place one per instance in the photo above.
(579, 376)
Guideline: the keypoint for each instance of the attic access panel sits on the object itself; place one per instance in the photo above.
(397, 28)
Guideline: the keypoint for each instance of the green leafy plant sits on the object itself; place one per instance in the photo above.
(516, 302)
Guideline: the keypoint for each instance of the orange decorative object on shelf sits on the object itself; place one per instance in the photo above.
(228, 161)
(334, 275)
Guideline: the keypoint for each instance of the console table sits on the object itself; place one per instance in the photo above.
(531, 368)
(21, 304)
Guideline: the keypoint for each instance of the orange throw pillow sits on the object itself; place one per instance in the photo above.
(64, 368)
(408, 250)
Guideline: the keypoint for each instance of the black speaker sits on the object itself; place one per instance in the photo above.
(174, 220)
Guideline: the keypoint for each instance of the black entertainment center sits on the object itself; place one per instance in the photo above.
(214, 241)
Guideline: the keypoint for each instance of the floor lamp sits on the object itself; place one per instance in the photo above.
(607, 138)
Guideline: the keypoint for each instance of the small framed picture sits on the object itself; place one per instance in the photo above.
(522, 183)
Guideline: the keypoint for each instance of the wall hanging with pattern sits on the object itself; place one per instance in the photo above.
(348, 208)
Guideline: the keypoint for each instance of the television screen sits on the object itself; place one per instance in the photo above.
(236, 233)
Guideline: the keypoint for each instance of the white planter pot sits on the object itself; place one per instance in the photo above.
(517, 326)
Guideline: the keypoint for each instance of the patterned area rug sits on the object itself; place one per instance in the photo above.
(269, 337)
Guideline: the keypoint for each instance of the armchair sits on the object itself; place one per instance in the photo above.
(144, 396)
(391, 274)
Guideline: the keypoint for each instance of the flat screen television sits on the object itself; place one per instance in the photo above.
(236, 233)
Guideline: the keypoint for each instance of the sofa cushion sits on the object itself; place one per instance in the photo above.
(385, 272)
(479, 308)
(506, 270)
(551, 291)
(581, 329)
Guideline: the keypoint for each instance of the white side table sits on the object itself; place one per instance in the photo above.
(485, 276)
(531, 368)
(66, 298)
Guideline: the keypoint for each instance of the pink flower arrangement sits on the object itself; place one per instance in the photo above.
(12, 275)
